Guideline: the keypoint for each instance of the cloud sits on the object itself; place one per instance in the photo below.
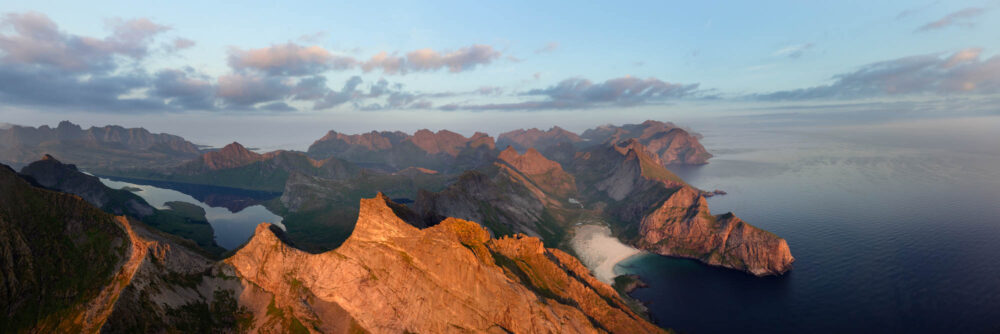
(489, 90)
(295, 60)
(40, 65)
(549, 47)
(335, 98)
(579, 93)
(245, 90)
(793, 51)
(52, 87)
(288, 59)
(179, 44)
(962, 72)
(463, 59)
(960, 18)
(277, 106)
(624, 90)
(37, 41)
(184, 89)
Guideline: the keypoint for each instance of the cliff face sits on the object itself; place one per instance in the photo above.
(391, 151)
(662, 214)
(392, 277)
(683, 226)
(546, 174)
(666, 141)
(517, 194)
(105, 148)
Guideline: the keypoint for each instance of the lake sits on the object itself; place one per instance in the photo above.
(894, 227)
(233, 213)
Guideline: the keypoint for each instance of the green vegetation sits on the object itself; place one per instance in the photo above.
(223, 314)
(187, 221)
(74, 251)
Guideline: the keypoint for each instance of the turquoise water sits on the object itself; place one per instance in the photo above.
(895, 228)
(232, 229)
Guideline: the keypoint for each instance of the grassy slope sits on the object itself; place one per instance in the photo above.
(65, 251)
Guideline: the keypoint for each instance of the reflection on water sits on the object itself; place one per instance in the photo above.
(889, 234)
(232, 229)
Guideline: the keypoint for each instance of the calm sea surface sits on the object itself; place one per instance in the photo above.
(895, 228)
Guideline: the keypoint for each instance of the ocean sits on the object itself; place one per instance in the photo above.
(895, 227)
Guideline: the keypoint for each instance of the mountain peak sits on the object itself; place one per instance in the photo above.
(230, 156)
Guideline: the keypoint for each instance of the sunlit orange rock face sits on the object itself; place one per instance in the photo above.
(452, 277)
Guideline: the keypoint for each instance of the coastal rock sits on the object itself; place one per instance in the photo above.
(660, 213)
(683, 226)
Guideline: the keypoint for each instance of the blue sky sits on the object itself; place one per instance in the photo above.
(464, 64)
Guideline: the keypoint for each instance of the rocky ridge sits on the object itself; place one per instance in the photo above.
(105, 148)
(139, 280)
(461, 278)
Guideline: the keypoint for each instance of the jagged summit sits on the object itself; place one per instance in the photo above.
(454, 273)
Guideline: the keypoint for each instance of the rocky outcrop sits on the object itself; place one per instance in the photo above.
(105, 148)
(683, 226)
(660, 213)
(519, 193)
(546, 174)
(230, 156)
(443, 150)
(522, 139)
(668, 142)
(392, 277)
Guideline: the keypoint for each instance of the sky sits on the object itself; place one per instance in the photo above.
(280, 74)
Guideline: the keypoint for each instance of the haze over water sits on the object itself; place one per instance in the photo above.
(893, 228)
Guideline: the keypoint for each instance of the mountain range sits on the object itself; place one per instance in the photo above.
(385, 221)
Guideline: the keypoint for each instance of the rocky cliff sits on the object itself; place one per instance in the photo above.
(389, 277)
(517, 194)
(392, 277)
(656, 211)
(683, 226)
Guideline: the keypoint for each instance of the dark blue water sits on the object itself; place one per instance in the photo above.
(894, 228)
